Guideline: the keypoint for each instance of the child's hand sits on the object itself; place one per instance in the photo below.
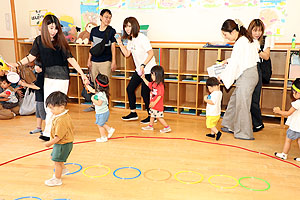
(276, 110)
(151, 105)
(38, 69)
(205, 97)
(48, 144)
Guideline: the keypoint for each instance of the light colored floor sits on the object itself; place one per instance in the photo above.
(26, 176)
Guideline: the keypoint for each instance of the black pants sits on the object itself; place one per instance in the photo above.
(135, 81)
(255, 107)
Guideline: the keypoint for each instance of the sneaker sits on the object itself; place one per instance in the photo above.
(258, 128)
(218, 135)
(297, 159)
(89, 109)
(110, 132)
(37, 130)
(227, 130)
(148, 128)
(131, 116)
(53, 182)
(165, 130)
(102, 139)
(45, 138)
(281, 155)
(147, 120)
(210, 135)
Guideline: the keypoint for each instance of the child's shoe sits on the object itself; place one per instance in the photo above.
(53, 182)
(218, 135)
(102, 139)
(148, 128)
(110, 132)
(37, 130)
(210, 135)
(297, 159)
(165, 130)
(281, 155)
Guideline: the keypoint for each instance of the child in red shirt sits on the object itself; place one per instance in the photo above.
(156, 98)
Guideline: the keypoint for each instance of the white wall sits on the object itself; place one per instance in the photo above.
(5, 19)
(193, 25)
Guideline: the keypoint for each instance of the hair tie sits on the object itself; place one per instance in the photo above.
(102, 85)
(295, 88)
(239, 23)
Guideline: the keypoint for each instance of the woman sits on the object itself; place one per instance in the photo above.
(140, 48)
(241, 69)
(256, 29)
(54, 53)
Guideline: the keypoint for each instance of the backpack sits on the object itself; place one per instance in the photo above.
(265, 66)
(99, 48)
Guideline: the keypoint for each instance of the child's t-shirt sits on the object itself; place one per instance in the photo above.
(62, 127)
(214, 110)
(293, 121)
(104, 106)
(157, 90)
(12, 97)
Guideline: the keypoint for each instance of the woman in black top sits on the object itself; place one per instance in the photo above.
(54, 53)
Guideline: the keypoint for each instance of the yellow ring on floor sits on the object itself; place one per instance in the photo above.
(96, 166)
(237, 182)
(188, 182)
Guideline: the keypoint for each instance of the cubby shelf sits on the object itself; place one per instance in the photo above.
(185, 74)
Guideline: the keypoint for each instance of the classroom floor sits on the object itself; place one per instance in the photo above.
(185, 152)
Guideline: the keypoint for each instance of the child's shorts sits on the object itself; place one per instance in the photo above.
(61, 152)
(156, 113)
(212, 121)
(293, 135)
(102, 118)
(40, 110)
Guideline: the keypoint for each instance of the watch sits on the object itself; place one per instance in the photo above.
(143, 65)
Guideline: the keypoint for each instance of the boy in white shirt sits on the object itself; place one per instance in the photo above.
(213, 107)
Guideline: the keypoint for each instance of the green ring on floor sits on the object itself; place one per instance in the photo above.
(252, 188)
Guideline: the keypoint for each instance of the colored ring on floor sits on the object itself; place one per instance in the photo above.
(188, 182)
(252, 188)
(99, 167)
(231, 187)
(70, 173)
(127, 168)
(29, 197)
(146, 172)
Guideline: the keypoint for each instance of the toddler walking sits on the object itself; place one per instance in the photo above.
(213, 107)
(100, 100)
(156, 98)
(293, 121)
(62, 135)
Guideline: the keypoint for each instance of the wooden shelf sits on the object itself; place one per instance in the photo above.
(185, 69)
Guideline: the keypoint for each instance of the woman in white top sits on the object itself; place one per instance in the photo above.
(140, 48)
(256, 29)
(241, 69)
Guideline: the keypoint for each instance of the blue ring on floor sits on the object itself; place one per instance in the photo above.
(70, 173)
(31, 197)
(125, 168)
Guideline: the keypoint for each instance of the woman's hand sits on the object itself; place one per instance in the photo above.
(85, 80)
(38, 69)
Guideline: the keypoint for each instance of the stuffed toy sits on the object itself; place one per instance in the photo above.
(84, 36)
(68, 28)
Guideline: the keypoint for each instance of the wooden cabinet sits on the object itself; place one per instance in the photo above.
(185, 75)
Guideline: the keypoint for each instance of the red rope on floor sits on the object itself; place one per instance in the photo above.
(166, 138)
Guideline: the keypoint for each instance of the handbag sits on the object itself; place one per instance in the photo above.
(26, 72)
(265, 66)
(99, 48)
(28, 104)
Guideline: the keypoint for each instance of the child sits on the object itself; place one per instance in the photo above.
(156, 98)
(293, 133)
(12, 100)
(213, 107)
(62, 135)
(40, 112)
(100, 99)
